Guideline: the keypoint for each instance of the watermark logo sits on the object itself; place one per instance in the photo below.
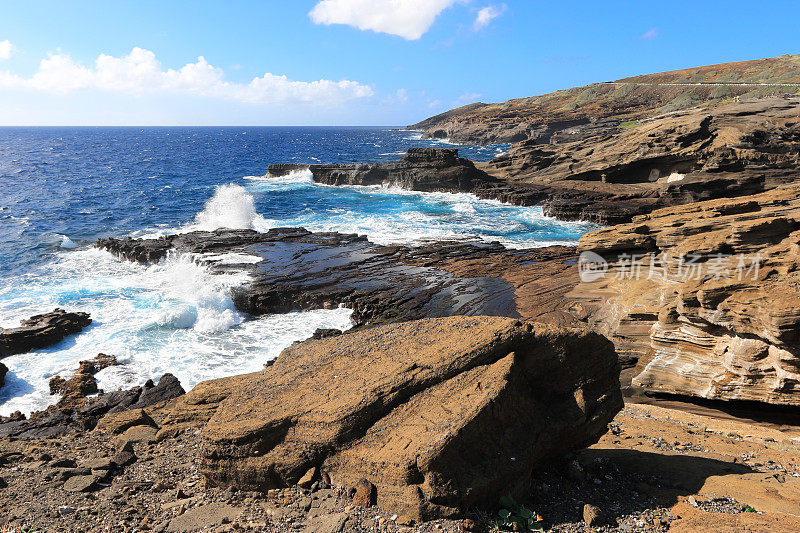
(591, 267)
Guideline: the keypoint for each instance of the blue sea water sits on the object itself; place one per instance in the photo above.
(62, 188)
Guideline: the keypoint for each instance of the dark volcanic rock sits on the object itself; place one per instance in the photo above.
(74, 390)
(301, 270)
(420, 169)
(41, 331)
(168, 388)
(324, 333)
(81, 413)
(424, 170)
(3, 372)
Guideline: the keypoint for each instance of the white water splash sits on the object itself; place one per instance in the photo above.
(171, 317)
(231, 207)
(67, 243)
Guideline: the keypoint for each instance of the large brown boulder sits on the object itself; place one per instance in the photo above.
(712, 310)
(439, 414)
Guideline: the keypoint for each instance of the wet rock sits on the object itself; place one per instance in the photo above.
(76, 412)
(324, 333)
(41, 331)
(3, 372)
(420, 169)
(168, 387)
(431, 395)
(74, 391)
(304, 270)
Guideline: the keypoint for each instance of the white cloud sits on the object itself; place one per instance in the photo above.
(5, 49)
(467, 98)
(486, 15)
(649, 35)
(409, 19)
(140, 72)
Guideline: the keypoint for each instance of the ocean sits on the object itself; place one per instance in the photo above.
(63, 188)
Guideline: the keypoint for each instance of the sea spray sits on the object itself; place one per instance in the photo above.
(231, 207)
(67, 243)
(174, 316)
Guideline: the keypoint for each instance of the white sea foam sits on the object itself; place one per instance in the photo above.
(67, 243)
(232, 259)
(231, 207)
(171, 317)
(301, 176)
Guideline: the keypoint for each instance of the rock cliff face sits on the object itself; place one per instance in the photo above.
(608, 174)
(613, 174)
(41, 331)
(705, 296)
(440, 415)
(424, 170)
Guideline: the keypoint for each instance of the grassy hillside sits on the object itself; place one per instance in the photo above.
(624, 100)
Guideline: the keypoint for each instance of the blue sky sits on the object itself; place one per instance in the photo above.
(347, 62)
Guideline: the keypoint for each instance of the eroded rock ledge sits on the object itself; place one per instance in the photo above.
(441, 170)
(441, 415)
(726, 327)
(299, 270)
(608, 172)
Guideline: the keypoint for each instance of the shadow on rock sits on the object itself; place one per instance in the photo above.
(622, 483)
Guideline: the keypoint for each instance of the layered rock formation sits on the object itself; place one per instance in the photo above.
(41, 331)
(608, 174)
(440, 415)
(705, 296)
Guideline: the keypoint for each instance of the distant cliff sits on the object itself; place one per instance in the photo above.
(599, 105)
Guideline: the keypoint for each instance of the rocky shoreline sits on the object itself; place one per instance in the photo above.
(481, 387)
